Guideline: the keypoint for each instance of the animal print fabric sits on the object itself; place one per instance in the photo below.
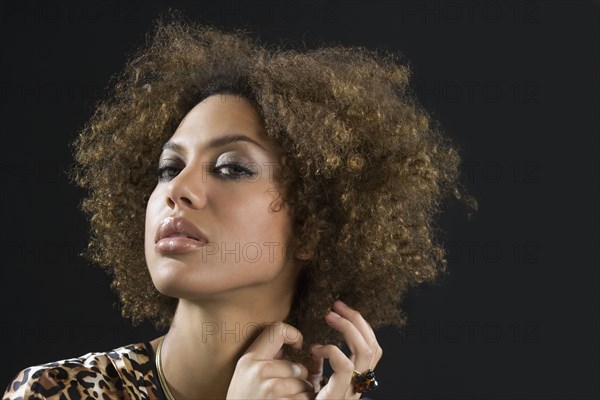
(127, 373)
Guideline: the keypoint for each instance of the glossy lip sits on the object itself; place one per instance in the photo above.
(178, 235)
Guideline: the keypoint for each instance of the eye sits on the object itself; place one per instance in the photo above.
(164, 170)
(232, 170)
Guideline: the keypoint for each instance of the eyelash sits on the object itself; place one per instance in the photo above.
(245, 171)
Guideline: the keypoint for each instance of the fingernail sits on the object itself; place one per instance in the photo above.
(297, 370)
(334, 314)
(342, 303)
(315, 347)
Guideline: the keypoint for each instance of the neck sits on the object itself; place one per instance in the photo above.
(206, 339)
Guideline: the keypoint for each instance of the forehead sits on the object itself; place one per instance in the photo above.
(221, 114)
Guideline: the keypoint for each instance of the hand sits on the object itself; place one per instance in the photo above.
(363, 344)
(262, 373)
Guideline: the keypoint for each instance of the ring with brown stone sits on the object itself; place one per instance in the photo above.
(364, 382)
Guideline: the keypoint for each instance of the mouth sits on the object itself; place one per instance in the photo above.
(181, 235)
(179, 228)
(178, 245)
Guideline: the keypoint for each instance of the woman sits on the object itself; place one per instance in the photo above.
(287, 201)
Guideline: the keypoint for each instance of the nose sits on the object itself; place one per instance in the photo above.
(187, 189)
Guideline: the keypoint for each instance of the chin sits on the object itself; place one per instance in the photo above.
(175, 278)
(168, 275)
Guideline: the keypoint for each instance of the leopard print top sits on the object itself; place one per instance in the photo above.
(128, 373)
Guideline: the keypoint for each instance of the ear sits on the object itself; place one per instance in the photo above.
(301, 252)
(303, 255)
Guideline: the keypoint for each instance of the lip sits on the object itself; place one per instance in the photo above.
(178, 235)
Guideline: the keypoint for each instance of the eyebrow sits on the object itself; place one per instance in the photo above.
(216, 142)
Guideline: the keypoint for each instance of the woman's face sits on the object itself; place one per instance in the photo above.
(216, 172)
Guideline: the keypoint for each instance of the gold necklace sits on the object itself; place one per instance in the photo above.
(161, 377)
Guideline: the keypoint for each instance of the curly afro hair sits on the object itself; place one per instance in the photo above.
(366, 167)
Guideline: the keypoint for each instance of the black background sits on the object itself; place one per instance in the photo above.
(514, 83)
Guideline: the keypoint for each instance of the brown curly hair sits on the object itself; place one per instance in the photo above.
(366, 168)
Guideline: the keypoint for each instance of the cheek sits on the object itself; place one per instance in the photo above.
(260, 223)
(151, 212)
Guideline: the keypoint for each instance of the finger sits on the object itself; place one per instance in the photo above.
(284, 387)
(362, 354)
(357, 319)
(281, 369)
(303, 396)
(315, 370)
(362, 325)
(279, 355)
(340, 364)
(272, 338)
